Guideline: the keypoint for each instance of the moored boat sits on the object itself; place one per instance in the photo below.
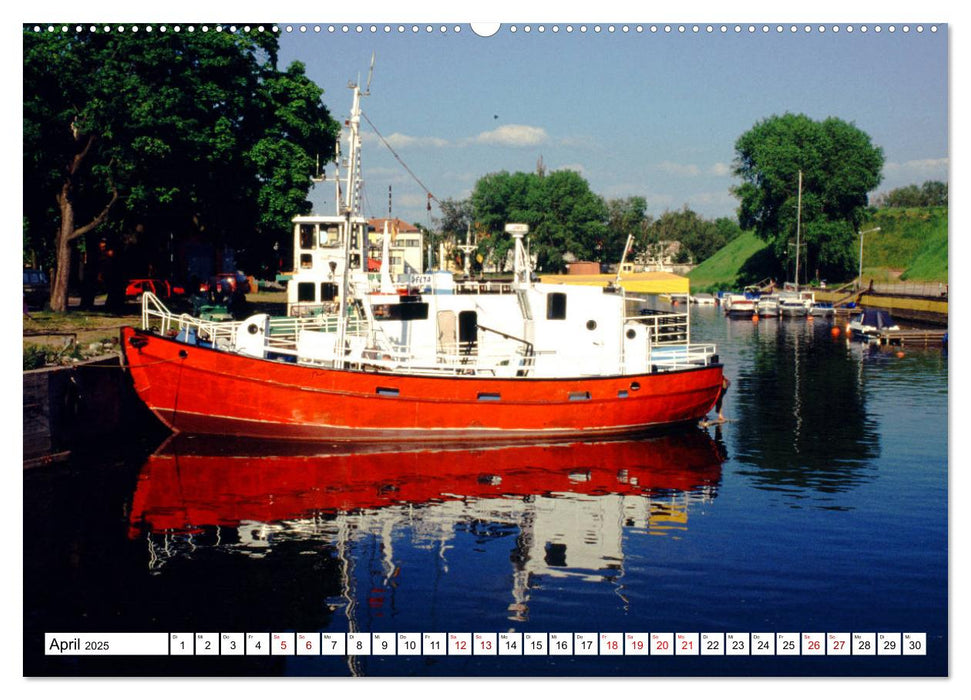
(822, 309)
(768, 305)
(869, 323)
(792, 308)
(739, 305)
(358, 359)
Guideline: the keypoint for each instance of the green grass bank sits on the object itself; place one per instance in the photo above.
(911, 246)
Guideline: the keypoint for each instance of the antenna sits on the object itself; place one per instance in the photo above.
(370, 73)
(319, 176)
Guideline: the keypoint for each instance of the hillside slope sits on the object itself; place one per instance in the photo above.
(911, 245)
(911, 242)
(721, 269)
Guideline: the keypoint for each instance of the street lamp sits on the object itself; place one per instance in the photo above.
(860, 275)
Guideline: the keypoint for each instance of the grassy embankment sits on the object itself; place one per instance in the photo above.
(721, 269)
(911, 246)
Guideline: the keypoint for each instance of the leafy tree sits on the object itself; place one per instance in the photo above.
(147, 140)
(572, 221)
(498, 199)
(627, 216)
(934, 193)
(563, 215)
(931, 194)
(700, 238)
(839, 165)
(453, 226)
(721, 232)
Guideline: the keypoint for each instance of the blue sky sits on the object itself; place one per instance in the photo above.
(654, 114)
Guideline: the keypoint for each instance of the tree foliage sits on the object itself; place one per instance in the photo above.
(150, 140)
(625, 217)
(932, 193)
(563, 214)
(453, 227)
(839, 166)
(700, 238)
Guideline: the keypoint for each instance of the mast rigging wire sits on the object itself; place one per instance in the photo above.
(403, 164)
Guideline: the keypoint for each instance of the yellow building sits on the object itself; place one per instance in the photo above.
(633, 282)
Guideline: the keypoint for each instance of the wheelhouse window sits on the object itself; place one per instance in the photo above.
(412, 311)
(330, 235)
(308, 236)
(305, 292)
(306, 261)
(328, 291)
(556, 306)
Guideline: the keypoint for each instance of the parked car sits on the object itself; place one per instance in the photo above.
(226, 282)
(37, 289)
(163, 289)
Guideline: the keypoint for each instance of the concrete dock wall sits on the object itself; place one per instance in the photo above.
(67, 407)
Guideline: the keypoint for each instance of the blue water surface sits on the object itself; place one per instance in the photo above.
(820, 507)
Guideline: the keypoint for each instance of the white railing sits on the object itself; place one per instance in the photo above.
(484, 287)
(281, 334)
(367, 345)
(156, 316)
(666, 328)
(681, 357)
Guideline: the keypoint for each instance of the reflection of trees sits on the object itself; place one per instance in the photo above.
(802, 419)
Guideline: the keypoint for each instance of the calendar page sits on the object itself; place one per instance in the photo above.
(710, 486)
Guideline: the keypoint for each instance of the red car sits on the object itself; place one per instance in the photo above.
(163, 289)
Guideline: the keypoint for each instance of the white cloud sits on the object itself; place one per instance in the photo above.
(679, 169)
(925, 165)
(410, 201)
(397, 140)
(513, 135)
(692, 170)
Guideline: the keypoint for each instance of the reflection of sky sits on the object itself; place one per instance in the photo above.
(814, 411)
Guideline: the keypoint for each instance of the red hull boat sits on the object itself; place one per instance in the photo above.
(195, 389)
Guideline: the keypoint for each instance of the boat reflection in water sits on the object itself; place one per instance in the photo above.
(565, 506)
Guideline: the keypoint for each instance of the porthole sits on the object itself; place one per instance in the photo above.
(635, 386)
(591, 325)
(253, 329)
(631, 334)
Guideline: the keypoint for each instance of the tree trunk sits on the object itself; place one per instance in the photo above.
(67, 231)
(63, 247)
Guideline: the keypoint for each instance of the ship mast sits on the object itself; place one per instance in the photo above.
(798, 224)
(353, 168)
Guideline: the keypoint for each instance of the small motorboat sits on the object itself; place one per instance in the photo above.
(822, 309)
(870, 323)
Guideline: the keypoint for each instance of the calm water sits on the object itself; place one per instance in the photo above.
(822, 507)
